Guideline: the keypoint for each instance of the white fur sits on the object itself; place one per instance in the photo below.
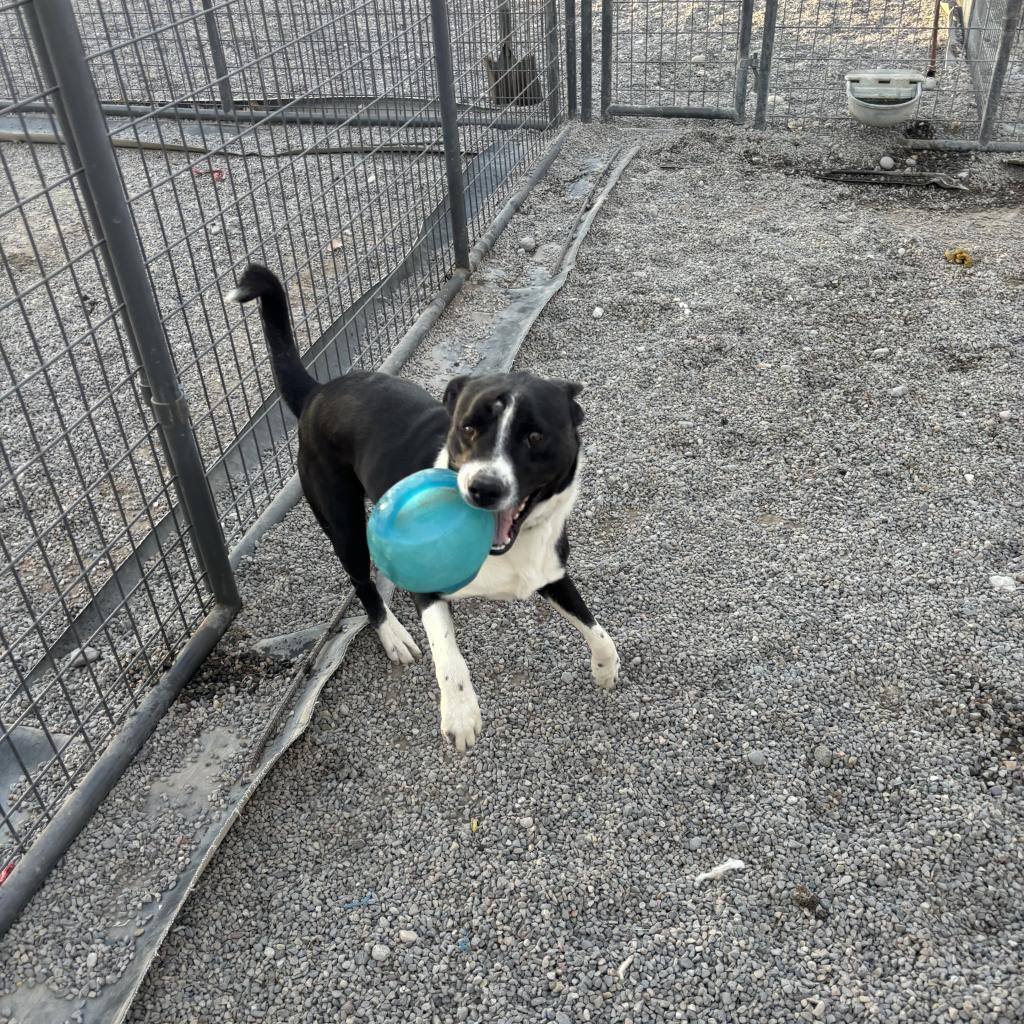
(499, 465)
(233, 296)
(395, 639)
(604, 658)
(460, 712)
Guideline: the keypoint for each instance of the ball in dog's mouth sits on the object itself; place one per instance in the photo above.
(507, 524)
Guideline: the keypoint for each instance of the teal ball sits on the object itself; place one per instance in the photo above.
(425, 538)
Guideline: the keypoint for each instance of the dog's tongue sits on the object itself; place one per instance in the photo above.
(503, 528)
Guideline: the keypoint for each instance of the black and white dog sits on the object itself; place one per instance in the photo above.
(513, 440)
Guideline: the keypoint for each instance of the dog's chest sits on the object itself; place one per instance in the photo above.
(532, 563)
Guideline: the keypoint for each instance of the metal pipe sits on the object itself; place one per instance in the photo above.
(586, 60)
(606, 57)
(83, 121)
(1011, 18)
(53, 842)
(551, 60)
(743, 59)
(764, 67)
(570, 57)
(220, 65)
(963, 146)
(450, 130)
(706, 113)
(288, 496)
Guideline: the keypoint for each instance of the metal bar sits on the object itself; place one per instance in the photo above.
(53, 842)
(606, 57)
(377, 114)
(962, 146)
(586, 60)
(82, 121)
(220, 65)
(743, 59)
(450, 130)
(1011, 18)
(570, 57)
(551, 60)
(764, 67)
(708, 113)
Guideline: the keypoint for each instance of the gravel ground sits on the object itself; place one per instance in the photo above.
(792, 535)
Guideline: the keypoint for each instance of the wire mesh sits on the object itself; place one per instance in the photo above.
(305, 137)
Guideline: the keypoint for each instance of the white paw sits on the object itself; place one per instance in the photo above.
(604, 663)
(460, 718)
(395, 639)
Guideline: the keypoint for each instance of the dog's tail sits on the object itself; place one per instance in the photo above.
(293, 379)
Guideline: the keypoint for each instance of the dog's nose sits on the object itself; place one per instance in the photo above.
(486, 491)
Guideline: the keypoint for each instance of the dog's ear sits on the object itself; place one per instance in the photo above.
(573, 390)
(452, 392)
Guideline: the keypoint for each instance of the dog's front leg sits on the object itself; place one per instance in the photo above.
(460, 713)
(604, 658)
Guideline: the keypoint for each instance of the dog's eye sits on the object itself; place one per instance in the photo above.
(534, 438)
(468, 431)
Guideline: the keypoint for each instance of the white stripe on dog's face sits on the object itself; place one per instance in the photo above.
(497, 465)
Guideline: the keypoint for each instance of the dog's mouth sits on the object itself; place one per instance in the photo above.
(508, 522)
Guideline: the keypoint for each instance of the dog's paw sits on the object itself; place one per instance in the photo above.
(394, 638)
(604, 662)
(460, 718)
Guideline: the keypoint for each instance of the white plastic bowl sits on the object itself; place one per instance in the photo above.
(881, 97)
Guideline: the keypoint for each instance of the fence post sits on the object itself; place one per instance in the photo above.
(450, 131)
(743, 59)
(53, 24)
(586, 60)
(606, 57)
(764, 66)
(220, 65)
(570, 57)
(1011, 18)
(551, 59)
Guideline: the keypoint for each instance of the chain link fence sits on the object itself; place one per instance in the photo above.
(788, 59)
(149, 151)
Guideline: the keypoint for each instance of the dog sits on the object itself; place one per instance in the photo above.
(513, 440)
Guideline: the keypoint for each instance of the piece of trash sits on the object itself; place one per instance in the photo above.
(215, 173)
(335, 244)
(1003, 584)
(5, 871)
(960, 257)
(620, 971)
(716, 873)
(899, 391)
(463, 944)
(803, 897)
(362, 901)
(873, 176)
(474, 825)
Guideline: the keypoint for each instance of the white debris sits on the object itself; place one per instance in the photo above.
(82, 656)
(716, 873)
(1004, 584)
(624, 966)
(598, 312)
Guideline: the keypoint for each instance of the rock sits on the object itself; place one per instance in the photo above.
(822, 755)
(758, 758)
(1005, 415)
(598, 313)
(899, 391)
(698, 59)
(269, 952)
(695, 843)
(380, 952)
(408, 936)
(880, 353)
(528, 243)
(1003, 584)
(82, 656)
(91, 960)
(810, 901)
(526, 822)
(887, 163)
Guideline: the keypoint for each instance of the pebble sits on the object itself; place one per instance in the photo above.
(269, 952)
(887, 163)
(695, 843)
(528, 243)
(1003, 584)
(598, 312)
(698, 59)
(91, 960)
(526, 822)
(880, 353)
(82, 656)
(1005, 415)
(823, 755)
(899, 391)
(380, 952)
(408, 936)
(758, 758)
